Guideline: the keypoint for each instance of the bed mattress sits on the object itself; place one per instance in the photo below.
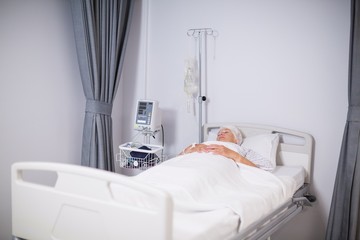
(294, 173)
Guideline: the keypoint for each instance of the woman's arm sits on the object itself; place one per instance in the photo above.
(226, 152)
(219, 150)
(194, 148)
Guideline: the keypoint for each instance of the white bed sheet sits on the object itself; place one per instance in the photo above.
(210, 196)
(293, 173)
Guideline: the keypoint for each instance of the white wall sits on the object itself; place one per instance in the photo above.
(279, 62)
(41, 98)
(276, 62)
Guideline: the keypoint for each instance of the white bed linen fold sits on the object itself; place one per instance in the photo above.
(212, 194)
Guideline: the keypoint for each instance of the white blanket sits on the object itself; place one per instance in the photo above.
(212, 194)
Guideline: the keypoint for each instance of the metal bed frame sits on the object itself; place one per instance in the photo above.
(265, 227)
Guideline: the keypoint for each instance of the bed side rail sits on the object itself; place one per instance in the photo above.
(265, 227)
(86, 203)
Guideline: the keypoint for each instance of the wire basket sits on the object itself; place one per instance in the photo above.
(135, 157)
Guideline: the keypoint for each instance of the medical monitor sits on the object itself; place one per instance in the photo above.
(148, 115)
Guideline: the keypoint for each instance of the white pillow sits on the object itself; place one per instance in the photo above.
(212, 135)
(264, 144)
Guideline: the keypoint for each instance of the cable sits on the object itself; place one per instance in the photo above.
(162, 135)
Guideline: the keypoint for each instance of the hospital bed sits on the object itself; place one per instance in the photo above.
(78, 202)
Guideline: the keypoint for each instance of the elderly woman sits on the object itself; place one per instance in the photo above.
(231, 134)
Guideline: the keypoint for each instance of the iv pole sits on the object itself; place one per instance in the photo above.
(201, 34)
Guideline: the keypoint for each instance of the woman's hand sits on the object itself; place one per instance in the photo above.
(218, 150)
(194, 148)
(226, 152)
(221, 150)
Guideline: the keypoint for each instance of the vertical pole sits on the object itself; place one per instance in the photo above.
(199, 81)
(205, 77)
(199, 34)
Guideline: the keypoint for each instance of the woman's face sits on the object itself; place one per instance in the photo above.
(225, 135)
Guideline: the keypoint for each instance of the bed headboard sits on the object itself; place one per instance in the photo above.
(295, 147)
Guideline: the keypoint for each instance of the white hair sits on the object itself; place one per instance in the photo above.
(235, 131)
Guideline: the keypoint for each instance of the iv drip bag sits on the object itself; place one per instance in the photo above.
(190, 85)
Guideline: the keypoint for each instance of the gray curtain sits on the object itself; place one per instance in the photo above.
(344, 215)
(101, 29)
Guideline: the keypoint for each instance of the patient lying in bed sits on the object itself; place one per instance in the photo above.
(228, 144)
(216, 186)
